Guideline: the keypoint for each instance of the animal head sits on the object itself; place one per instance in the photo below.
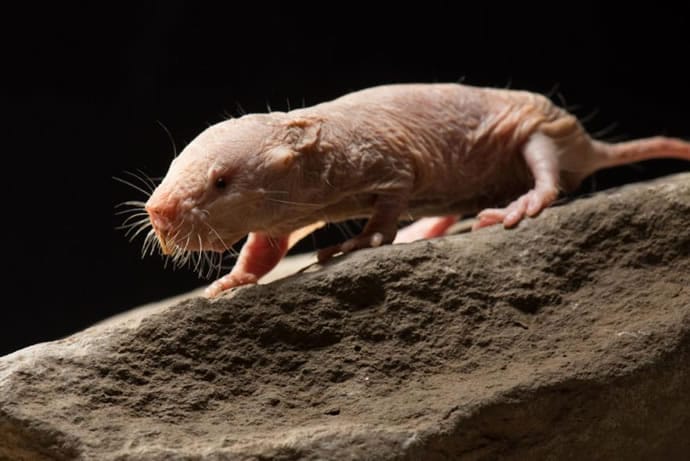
(236, 177)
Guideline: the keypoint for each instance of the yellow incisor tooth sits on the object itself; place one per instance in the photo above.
(167, 250)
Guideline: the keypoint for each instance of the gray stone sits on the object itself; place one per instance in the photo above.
(566, 338)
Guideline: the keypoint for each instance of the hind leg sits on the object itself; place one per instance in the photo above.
(425, 228)
(379, 230)
(541, 156)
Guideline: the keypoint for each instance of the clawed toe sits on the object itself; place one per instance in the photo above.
(229, 281)
(489, 217)
(529, 204)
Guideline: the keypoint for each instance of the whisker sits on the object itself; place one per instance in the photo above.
(183, 259)
(179, 255)
(554, 89)
(209, 260)
(341, 230)
(129, 218)
(194, 259)
(561, 99)
(132, 203)
(148, 178)
(130, 225)
(177, 229)
(240, 109)
(177, 250)
(197, 266)
(605, 131)
(134, 186)
(149, 243)
(292, 202)
(130, 210)
(231, 250)
(357, 225)
(186, 243)
(143, 181)
(218, 265)
(345, 232)
(189, 260)
(199, 256)
(166, 259)
(207, 267)
(589, 117)
(139, 231)
(175, 257)
(172, 140)
(217, 235)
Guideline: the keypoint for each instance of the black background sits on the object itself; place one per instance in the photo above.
(89, 85)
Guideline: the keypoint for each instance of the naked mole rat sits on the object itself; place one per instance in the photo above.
(387, 153)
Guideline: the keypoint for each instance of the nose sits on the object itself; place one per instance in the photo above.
(161, 215)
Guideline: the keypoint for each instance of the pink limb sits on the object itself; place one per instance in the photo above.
(425, 228)
(541, 156)
(380, 229)
(258, 256)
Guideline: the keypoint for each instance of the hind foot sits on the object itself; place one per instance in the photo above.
(541, 156)
(530, 204)
(425, 228)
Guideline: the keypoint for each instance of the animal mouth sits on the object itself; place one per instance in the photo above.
(167, 245)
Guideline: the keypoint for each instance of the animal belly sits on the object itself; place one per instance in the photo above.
(463, 194)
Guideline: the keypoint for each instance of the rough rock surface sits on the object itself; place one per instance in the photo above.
(566, 338)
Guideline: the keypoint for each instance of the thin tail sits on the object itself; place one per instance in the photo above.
(608, 155)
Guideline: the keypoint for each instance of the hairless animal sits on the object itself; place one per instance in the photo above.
(430, 151)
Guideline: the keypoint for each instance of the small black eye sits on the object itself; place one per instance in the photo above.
(220, 183)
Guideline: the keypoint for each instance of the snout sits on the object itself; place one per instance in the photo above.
(162, 216)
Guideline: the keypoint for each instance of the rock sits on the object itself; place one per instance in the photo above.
(566, 338)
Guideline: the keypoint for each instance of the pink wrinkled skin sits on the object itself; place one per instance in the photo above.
(431, 151)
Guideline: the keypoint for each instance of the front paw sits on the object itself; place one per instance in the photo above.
(229, 281)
